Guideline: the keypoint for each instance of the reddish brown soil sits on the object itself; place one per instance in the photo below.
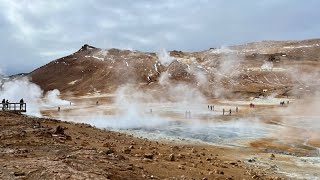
(32, 148)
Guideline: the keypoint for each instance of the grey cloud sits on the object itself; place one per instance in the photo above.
(33, 34)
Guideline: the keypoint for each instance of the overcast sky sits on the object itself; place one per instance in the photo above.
(33, 33)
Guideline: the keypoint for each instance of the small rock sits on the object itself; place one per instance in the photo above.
(19, 173)
(180, 156)
(109, 151)
(181, 167)
(171, 157)
(148, 156)
(68, 138)
(255, 177)
(126, 150)
(218, 172)
(59, 130)
(234, 163)
(120, 157)
(71, 157)
(36, 125)
(147, 160)
(272, 156)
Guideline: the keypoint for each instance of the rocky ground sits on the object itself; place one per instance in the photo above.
(36, 148)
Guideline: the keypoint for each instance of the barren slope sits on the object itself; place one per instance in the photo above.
(245, 70)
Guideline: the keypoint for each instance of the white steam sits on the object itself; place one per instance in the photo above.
(164, 78)
(128, 111)
(164, 57)
(230, 62)
(200, 75)
(52, 99)
(32, 94)
(228, 69)
(184, 94)
(16, 89)
(267, 66)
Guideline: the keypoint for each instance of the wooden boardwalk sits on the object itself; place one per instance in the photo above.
(13, 107)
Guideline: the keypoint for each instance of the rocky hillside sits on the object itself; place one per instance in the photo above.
(268, 67)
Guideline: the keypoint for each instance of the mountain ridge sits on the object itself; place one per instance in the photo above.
(231, 70)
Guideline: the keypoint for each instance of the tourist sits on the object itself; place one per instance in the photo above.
(7, 104)
(21, 104)
(3, 104)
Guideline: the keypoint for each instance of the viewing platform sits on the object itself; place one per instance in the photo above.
(13, 107)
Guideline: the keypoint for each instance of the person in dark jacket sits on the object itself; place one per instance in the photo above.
(21, 104)
(3, 104)
(7, 104)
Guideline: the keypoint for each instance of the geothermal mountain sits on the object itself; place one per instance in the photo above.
(253, 69)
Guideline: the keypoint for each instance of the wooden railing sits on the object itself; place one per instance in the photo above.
(13, 107)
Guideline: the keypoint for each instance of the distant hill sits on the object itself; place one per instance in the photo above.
(273, 67)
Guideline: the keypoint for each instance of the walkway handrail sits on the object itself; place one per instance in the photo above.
(15, 107)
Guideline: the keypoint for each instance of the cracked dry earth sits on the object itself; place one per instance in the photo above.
(35, 148)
